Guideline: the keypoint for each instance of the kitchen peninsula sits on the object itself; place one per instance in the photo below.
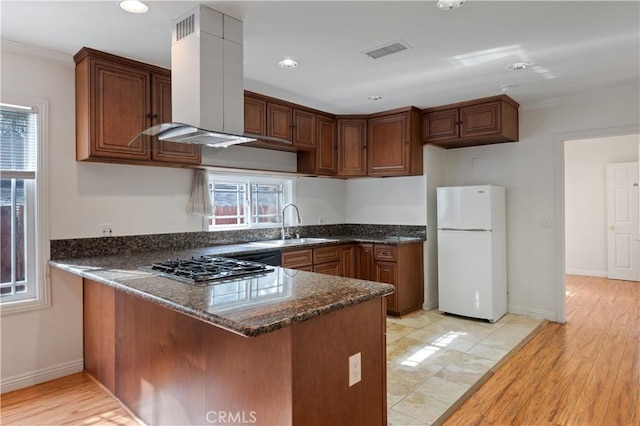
(275, 350)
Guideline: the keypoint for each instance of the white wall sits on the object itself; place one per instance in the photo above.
(45, 344)
(434, 167)
(586, 199)
(321, 200)
(387, 201)
(528, 170)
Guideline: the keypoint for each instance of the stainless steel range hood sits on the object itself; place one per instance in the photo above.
(207, 90)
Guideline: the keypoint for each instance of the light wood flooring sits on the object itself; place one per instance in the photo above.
(585, 372)
(71, 400)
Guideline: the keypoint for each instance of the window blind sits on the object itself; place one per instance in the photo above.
(18, 142)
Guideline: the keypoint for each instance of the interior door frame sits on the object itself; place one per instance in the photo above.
(560, 299)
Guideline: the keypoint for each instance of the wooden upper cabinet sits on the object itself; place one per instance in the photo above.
(255, 116)
(279, 119)
(478, 122)
(116, 99)
(169, 152)
(304, 130)
(322, 160)
(112, 107)
(395, 143)
(326, 148)
(352, 145)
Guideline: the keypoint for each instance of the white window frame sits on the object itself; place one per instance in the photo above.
(39, 253)
(287, 197)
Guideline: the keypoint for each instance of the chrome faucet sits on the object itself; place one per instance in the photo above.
(297, 214)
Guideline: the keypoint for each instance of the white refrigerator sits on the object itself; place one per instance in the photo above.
(472, 255)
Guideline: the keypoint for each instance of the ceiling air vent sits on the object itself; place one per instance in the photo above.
(388, 49)
(185, 27)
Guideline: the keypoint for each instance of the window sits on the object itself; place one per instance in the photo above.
(248, 202)
(23, 238)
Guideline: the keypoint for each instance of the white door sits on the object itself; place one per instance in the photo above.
(464, 207)
(622, 220)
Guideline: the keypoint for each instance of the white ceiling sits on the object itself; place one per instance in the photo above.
(575, 47)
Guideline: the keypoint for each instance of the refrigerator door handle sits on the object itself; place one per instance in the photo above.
(465, 230)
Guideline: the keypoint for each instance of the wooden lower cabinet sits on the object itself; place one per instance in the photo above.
(330, 268)
(402, 266)
(364, 261)
(348, 261)
(169, 368)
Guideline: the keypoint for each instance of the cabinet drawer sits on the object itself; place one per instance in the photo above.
(389, 253)
(326, 254)
(297, 258)
(330, 268)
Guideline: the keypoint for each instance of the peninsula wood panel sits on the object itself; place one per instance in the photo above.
(250, 376)
(321, 352)
(99, 332)
(160, 362)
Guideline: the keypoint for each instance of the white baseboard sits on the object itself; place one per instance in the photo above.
(429, 305)
(587, 272)
(42, 375)
(529, 312)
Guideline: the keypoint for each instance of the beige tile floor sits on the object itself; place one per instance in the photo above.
(433, 360)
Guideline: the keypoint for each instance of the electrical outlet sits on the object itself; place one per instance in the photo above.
(355, 369)
(107, 229)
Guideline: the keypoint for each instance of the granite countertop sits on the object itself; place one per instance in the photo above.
(248, 306)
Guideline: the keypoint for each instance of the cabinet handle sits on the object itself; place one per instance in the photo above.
(150, 115)
(406, 142)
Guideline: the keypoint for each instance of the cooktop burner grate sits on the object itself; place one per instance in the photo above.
(204, 269)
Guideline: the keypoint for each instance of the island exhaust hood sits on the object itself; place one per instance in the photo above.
(207, 90)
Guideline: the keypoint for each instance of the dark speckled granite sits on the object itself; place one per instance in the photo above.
(249, 307)
(88, 247)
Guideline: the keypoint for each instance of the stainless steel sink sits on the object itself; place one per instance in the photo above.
(292, 242)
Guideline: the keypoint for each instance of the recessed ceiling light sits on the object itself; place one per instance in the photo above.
(449, 4)
(516, 66)
(134, 6)
(288, 63)
(374, 97)
(507, 87)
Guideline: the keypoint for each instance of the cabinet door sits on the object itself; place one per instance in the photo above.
(120, 111)
(255, 116)
(326, 146)
(364, 261)
(330, 268)
(279, 124)
(387, 272)
(441, 125)
(389, 147)
(480, 119)
(352, 155)
(169, 152)
(304, 130)
(348, 261)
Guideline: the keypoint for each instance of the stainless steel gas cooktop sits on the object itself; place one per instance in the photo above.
(203, 270)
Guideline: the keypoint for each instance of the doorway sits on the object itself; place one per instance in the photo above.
(588, 163)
